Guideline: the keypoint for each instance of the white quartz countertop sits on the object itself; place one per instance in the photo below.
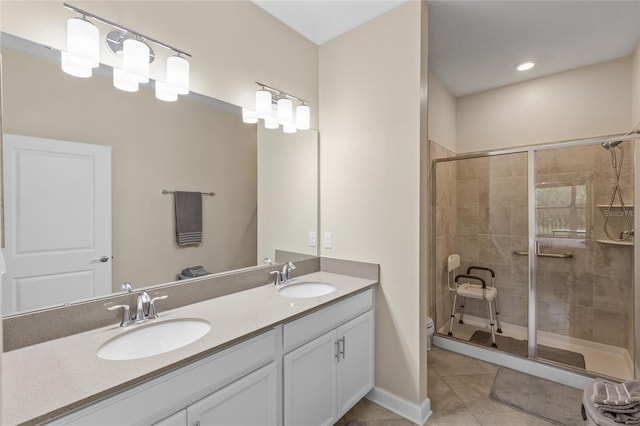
(45, 380)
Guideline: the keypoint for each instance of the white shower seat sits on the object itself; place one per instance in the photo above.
(474, 287)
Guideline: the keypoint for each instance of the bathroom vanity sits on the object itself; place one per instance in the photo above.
(268, 360)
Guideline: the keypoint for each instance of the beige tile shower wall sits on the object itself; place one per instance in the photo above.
(585, 102)
(492, 221)
(370, 176)
(144, 247)
(233, 43)
(445, 235)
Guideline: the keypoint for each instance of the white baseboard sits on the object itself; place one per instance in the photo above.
(418, 414)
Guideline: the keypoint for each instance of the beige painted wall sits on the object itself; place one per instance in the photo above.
(370, 176)
(185, 145)
(585, 102)
(233, 43)
(287, 191)
(442, 114)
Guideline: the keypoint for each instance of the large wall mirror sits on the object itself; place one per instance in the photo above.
(195, 144)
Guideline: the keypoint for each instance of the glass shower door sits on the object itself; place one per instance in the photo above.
(582, 280)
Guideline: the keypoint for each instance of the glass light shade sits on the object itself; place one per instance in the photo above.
(263, 104)
(75, 66)
(178, 74)
(271, 122)
(124, 81)
(83, 41)
(285, 111)
(289, 128)
(303, 117)
(135, 59)
(165, 92)
(249, 116)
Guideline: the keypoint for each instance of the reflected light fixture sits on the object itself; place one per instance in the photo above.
(124, 81)
(249, 116)
(275, 107)
(82, 55)
(525, 66)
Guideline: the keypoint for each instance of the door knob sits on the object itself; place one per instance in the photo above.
(102, 259)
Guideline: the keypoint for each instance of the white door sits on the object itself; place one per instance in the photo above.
(310, 383)
(355, 362)
(250, 401)
(57, 206)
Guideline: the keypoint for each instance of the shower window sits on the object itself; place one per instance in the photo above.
(561, 210)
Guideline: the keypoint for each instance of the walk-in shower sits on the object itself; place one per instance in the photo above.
(556, 226)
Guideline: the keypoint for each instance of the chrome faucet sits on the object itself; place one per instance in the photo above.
(143, 297)
(286, 272)
(278, 277)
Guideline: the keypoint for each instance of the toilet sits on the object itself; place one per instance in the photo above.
(430, 331)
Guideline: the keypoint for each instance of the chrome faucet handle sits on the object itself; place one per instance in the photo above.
(290, 267)
(143, 297)
(152, 307)
(126, 315)
(278, 277)
(126, 287)
(267, 261)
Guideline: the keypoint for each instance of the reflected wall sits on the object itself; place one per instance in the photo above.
(194, 144)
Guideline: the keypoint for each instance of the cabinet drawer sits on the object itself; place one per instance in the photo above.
(313, 325)
(152, 401)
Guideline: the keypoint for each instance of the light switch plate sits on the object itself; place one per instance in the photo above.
(328, 240)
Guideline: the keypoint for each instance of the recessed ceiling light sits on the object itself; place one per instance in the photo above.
(524, 66)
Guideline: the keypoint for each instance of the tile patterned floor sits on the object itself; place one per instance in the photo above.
(458, 387)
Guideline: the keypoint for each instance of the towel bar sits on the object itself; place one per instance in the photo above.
(164, 191)
(567, 255)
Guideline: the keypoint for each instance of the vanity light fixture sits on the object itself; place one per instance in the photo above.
(82, 55)
(275, 107)
(524, 66)
(83, 48)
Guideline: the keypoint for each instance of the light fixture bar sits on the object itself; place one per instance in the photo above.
(124, 29)
(281, 93)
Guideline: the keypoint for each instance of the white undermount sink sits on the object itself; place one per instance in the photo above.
(304, 289)
(153, 339)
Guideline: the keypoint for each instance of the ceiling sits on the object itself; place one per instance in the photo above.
(475, 44)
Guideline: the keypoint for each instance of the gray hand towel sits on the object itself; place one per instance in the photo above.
(616, 394)
(188, 218)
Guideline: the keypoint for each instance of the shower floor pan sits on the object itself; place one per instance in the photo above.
(599, 358)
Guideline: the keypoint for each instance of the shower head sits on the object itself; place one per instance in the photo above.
(609, 145)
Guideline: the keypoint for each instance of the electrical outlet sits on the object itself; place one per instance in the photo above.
(328, 240)
(312, 238)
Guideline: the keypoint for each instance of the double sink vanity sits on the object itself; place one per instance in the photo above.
(297, 353)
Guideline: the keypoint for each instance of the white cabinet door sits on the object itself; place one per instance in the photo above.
(310, 383)
(250, 401)
(355, 361)
(177, 419)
